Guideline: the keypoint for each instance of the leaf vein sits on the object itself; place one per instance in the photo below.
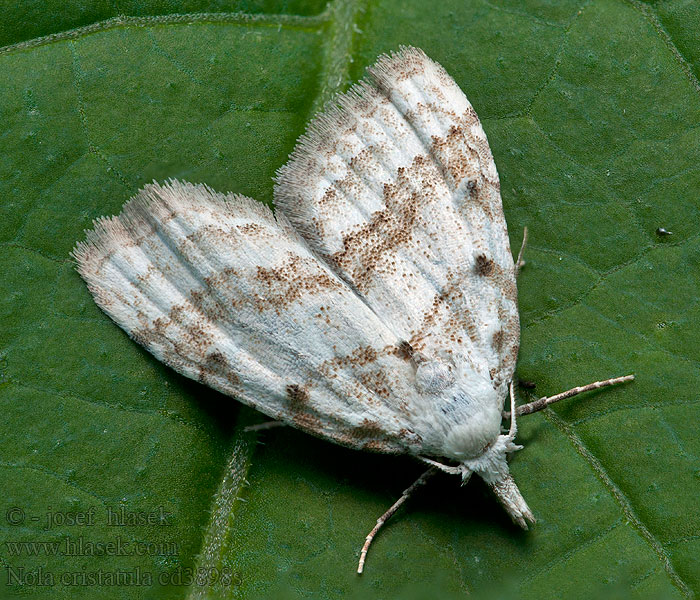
(620, 498)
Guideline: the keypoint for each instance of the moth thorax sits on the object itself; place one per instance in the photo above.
(433, 376)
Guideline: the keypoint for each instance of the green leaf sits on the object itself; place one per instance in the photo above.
(592, 114)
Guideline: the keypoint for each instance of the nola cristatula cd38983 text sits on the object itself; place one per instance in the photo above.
(376, 308)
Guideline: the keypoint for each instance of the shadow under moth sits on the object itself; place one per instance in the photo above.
(377, 308)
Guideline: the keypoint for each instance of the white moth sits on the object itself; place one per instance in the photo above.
(376, 309)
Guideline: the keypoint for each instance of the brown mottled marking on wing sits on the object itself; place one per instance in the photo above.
(141, 336)
(509, 340)
(497, 341)
(459, 161)
(484, 266)
(376, 381)
(460, 152)
(371, 434)
(193, 334)
(505, 281)
(405, 350)
(298, 396)
(373, 383)
(329, 198)
(220, 278)
(406, 434)
(461, 157)
(484, 151)
(359, 357)
(456, 322)
(368, 429)
(206, 233)
(349, 437)
(254, 229)
(412, 64)
(205, 303)
(287, 283)
(216, 365)
(299, 407)
(369, 247)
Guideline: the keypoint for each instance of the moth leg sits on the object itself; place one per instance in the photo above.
(520, 263)
(387, 515)
(265, 425)
(536, 405)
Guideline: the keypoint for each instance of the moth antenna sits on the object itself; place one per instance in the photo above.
(537, 405)
(387, 515)
(513, 425)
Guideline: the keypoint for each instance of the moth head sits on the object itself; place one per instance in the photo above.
(492, 466)
(494, 471)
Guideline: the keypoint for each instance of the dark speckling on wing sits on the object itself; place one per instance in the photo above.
(395, 187)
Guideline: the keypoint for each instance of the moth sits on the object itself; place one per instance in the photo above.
(376, 308)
